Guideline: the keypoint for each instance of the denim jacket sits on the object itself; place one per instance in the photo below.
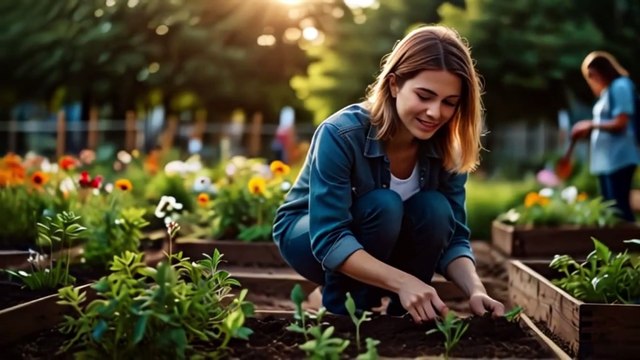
(344, 162)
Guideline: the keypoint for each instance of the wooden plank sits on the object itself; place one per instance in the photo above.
(236, 252)
(545, 242)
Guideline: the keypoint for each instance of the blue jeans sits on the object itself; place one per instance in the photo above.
(617, 186)
(410, 236)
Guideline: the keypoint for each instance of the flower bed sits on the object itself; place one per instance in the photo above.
(590, 330)
(236, 252)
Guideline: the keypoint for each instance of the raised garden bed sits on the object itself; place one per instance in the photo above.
(588, 330)
(545, 242)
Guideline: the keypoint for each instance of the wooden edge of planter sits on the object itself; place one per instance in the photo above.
(17, 260)
(33, 316)
(525, 322)
(236, 252)
(544, 339)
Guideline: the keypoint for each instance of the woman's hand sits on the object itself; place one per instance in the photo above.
(480, 303)
(421, 300)
(581, 129)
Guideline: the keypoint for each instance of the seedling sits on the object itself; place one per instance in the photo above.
(452, 328)
(372, 350)
(513, 314)
(365, 316)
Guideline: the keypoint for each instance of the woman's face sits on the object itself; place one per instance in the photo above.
(426, 102)
(595, 80)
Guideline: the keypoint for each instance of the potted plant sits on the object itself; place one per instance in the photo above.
(553, 221)
(592, 306)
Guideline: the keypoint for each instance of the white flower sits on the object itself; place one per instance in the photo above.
(124, 157)
(285, 186)
(167, 204)
(569, 194)
(546, 192)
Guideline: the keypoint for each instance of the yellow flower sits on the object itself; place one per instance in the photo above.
(278, 168)
(203, 199)
(257, 185)
(531, 199)
(543, 201)
(124, 184)
(582, 196)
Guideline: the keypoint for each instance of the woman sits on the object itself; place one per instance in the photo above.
(380, 202)
(614, 155)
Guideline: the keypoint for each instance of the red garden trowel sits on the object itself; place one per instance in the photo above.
(564, 166)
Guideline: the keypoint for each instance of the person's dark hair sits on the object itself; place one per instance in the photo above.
(605, 68)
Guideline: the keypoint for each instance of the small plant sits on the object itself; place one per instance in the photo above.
(605, 276)
(365, 316)
(320, 344)
(452, 327)
(62, 230)
(372, 350)
(513, 314)
(144, 312)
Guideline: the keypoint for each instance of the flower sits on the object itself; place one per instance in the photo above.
(278, 168)
(39, 178)
(86, 181)
(531, 199)
(203, 199)
(582, 196)
(67, 162)
(124, 184)
(257, 185)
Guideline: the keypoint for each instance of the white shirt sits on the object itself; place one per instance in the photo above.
(406, 188)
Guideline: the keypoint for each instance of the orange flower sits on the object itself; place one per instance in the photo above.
(582, 196)
(203, 199)
(278, 168)
(543, 201)
(257, 185)
(39, 178)
(12, 160)
(123, 184)
(67, 162)
(531, 199)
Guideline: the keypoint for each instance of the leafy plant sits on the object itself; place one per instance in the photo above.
(320, 344)
(61, 230)
(566, 207)
(25, 208)
(452, 327)
(604, 277)
(365, 316)
(248, 198)
(513, 314)
(372, 350)
(144, 312)
(113, 229)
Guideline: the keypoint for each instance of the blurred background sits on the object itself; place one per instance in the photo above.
(226, 77)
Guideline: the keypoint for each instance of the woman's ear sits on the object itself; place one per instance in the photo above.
(393, 84)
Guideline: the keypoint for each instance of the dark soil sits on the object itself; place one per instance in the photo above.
(399, 337)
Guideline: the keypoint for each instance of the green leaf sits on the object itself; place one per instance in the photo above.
(140, 328)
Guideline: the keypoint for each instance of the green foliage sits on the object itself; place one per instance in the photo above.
(62, 231)
(605, 277)
(113, 229)
(350, 305)
(372, 350)
(248, 197)
(156, 313)
(513, 314)
(452, 327)
(169, 185)
(24, 208)
(555, 208)
(320, 344)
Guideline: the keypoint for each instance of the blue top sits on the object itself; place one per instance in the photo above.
(344, 162)
(611, 151)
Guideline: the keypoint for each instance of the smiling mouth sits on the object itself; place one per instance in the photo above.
(427, 124)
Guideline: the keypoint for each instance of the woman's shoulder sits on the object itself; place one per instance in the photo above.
(353, 116)
(623, 83)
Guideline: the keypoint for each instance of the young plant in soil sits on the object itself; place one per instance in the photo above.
(365, 316)
(513, 314)
(62, 230)
(452, 327)
(605, 277)
(319, 343)
(144, 312)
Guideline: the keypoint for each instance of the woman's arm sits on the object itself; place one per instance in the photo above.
(418, 298)
(462, 272)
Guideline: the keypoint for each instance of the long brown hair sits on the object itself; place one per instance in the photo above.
(433, 48)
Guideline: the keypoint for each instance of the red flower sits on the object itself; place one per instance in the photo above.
(67, 162)
(86, 181)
